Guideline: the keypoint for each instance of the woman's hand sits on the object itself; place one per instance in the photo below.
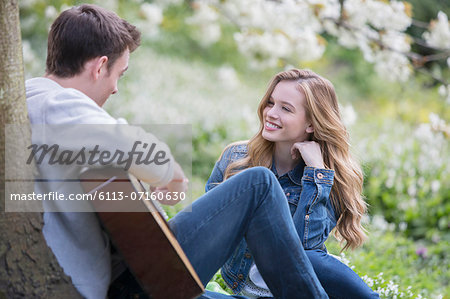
(310, 152)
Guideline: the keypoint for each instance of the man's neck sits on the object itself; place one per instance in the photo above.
(78, 82)
(71, 82)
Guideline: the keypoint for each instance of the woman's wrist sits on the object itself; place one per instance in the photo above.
(318, 166)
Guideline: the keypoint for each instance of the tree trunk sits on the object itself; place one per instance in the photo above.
(28, 268)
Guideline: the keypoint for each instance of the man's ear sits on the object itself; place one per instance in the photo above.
(310, 128)
(99, 66)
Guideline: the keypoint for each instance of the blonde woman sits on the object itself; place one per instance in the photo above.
(303, 142)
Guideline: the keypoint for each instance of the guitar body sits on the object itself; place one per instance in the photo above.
(142, 237)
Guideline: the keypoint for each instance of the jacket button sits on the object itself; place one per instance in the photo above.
(241, 276)
(248, 255)
(235, 284)
(320, 176)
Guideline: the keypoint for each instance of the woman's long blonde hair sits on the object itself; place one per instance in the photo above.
(329, 132)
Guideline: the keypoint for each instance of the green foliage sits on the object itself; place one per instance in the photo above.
(218, 285)
(407, 178)
(207, 146)
(421, 268)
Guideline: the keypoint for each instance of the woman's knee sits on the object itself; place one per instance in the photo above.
(259, 174)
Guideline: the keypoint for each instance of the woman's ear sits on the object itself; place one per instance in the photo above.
(310, 128)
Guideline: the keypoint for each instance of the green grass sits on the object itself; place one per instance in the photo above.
(391, 266)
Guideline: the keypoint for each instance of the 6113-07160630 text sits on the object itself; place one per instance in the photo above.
(57, 196)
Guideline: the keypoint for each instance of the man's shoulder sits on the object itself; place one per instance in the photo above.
(47, 89)
(49, 102)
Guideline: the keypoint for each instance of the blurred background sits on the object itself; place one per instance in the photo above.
(209, 66)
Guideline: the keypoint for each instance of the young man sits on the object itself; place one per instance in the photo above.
(88, 51)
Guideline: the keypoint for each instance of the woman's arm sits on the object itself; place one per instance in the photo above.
(230, 154)
(315, 216)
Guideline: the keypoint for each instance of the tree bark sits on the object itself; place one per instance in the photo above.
(28, 268)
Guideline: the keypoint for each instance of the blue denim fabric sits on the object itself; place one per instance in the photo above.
(247, 206)
(307, 190)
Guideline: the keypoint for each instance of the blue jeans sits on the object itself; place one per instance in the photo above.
(338, 280)
(248, 206)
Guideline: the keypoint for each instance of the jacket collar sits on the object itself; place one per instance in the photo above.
(295, 175)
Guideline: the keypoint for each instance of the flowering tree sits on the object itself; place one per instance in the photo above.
(290, 32)
(293, 31)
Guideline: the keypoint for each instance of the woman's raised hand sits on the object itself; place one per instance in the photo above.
(310, 152)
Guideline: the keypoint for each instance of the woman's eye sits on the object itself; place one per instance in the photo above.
(287, 109)
(269, 103)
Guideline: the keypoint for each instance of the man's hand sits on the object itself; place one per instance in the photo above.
(178, 184)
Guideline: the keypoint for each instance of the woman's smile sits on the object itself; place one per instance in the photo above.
(270, 126)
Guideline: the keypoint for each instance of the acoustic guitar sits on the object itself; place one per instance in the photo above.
(142, 236)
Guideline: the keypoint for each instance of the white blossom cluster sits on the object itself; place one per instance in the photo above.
(439, 32)
(391, 290)
(273, 33)
(153, 17)
(386, 289)
(206, 20)
(270, 30)
(291, 31)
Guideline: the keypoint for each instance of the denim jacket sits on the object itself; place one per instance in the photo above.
(307, 191)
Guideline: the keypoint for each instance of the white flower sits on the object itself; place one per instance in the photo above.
(27, 3)
(307, 46)
(348, 115)
(382, 15)
(164, 3)
(402, 226)
(328, 8)
(342, 258)
(392, 65)
(227, 76)
(399, 18)
(152, 12)
(412, 190)
(369, 281)
(51, 12)
(444, 91)
(424, 133)
(205, 19)
(435, 186)
(439, 32)
(396, 41)
(28, 54)
(108, 4)
(153, 15)
(31, 63)
(379, 223)
(264, 49)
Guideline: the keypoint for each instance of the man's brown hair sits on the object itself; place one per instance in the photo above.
(85, 32)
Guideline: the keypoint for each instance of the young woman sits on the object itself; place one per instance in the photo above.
(303, 141)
